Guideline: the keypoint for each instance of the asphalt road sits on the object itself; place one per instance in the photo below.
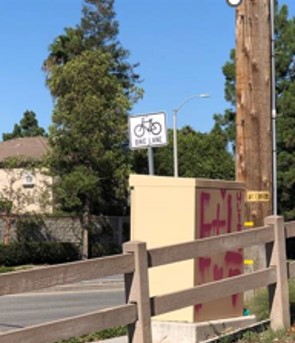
(18, 311)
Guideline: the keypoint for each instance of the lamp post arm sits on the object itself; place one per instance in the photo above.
(191, 98)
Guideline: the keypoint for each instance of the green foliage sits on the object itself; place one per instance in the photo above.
(199, 155)
(94, 86)
(74, 187)
(28, 127)
(29, 229)
(103, 249)
(21, 162)
(16, 253)
(89, 124)
(105, 334)
(4, 269)
(226, 121)
(267, 336)
(292, 290)
(250, 337)
(204, 155)
(33, 245)
(285, 75)
(5, 206)
(259, 304)
(229, 71)
(98, 30)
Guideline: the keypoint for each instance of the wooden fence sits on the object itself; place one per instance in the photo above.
(140, 307)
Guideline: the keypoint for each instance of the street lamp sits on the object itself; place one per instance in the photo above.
(175, 111)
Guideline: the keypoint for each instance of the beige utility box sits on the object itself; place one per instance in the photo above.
(167, 211)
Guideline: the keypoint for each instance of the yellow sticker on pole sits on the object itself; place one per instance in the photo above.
(248, 262)
(249, 224)
(252, 196)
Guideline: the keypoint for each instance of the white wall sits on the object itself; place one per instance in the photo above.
(35, 197)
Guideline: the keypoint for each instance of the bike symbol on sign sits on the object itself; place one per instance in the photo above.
(147, 126)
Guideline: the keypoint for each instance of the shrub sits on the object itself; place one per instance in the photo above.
(259, 304)
(93, 337)
(38, 253)
(5, 205)
(29, 229)
(99, 249)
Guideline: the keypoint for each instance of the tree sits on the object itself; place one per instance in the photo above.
(28, 127)
(89, 124)
(94, 86)
(227, 120)
(203, 155)
(98, 29)
(285, 85)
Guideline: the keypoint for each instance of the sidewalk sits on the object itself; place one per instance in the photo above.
(110, 282)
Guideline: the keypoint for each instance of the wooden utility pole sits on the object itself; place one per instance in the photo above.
(253, 99)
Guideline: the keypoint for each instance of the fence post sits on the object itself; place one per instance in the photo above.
(137, 291)
(279, 300)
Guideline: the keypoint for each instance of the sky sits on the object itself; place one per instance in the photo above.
(180, 45)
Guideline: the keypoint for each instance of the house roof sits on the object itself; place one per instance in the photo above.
(27, 147)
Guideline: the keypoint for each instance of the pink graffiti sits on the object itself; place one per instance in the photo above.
(229, 214)
(221, 220)
(233, 257)
(213, 227)
(205, 228)
(225, 216)
(223, 192)
(198, 307)
(239, 211)
(234, 272)
(217, 272)
(204, 263)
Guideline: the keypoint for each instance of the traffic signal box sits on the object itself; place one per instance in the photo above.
(169, 210)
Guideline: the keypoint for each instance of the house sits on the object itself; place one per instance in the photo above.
(28, 188)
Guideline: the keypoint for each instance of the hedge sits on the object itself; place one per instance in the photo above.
(17, 253)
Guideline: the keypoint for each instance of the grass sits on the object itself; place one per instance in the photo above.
(259, 306)
(4, 269)
(268, 336)
(105, 334)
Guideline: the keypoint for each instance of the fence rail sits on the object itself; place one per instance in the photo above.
(140, 307)
(32, 280)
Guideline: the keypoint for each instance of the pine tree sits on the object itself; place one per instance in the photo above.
(28, 127)
(94, 87)
(285, 87)
(98, 29)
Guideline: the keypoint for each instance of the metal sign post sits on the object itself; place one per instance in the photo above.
(151, 160)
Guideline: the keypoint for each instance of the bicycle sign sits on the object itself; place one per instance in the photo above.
(147, 130)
